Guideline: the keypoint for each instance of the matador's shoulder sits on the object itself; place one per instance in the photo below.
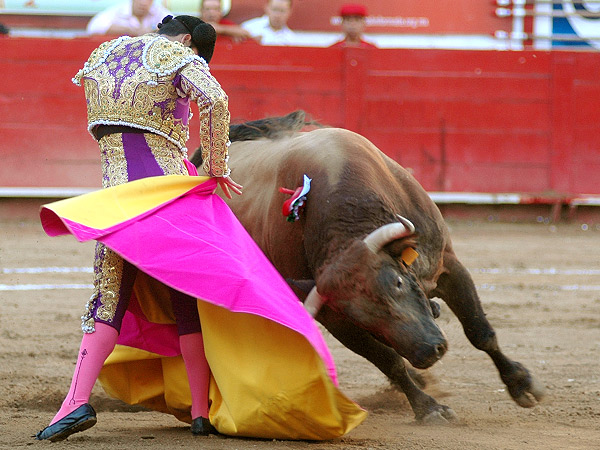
(164, 57)
(99, 56)
(104, 49)
(157, 54)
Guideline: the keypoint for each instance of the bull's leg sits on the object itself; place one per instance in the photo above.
(457, 289)
(425, 407)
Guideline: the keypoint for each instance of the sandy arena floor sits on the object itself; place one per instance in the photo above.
(540, 285)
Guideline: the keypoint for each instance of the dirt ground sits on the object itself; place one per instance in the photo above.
(540, 286)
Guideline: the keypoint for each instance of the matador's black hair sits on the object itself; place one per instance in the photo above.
(203, 34)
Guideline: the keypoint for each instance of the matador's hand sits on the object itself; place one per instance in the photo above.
(228, 185)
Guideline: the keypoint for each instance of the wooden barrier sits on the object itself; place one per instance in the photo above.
(462, 121)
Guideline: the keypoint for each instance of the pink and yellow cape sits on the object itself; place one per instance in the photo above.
(272, 373)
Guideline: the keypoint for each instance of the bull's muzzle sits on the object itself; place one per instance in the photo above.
(428, 355)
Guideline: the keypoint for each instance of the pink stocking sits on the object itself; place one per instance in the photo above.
(196, 366)
(95, 348)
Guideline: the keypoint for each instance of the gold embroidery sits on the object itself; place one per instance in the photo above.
(214, 118)
(108, 272)
(107, 283)
(129, 81)
(98, 53)
(114, 162)
(164, 56)
(167, 155)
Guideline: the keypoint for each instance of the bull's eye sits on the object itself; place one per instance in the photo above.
(399, 283)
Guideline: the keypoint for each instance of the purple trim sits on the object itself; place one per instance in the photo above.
(140, 160)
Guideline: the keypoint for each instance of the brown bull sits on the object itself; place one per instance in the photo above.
(349, 240)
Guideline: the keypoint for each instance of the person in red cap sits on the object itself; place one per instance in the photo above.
(353, 25)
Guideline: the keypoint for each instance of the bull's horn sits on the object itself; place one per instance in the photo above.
(388, 233)
(313, 302)
(407, 223)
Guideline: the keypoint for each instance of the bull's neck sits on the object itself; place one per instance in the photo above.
(334, 227)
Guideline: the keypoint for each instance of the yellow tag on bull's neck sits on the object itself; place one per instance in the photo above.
(409, 255)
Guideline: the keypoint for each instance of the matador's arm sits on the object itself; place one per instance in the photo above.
(200, 86)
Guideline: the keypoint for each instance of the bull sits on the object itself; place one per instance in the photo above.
(344, 255)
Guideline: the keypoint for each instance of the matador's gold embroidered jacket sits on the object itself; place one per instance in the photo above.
(147, 82)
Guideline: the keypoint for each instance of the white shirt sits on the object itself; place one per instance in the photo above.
(121, 15)
(259, 27)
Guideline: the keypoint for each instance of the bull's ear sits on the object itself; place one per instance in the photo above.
(303, 286)
(397, 248)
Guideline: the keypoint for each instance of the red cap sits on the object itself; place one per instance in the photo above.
(353, 10)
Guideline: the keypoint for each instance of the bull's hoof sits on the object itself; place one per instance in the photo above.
(525, 389)
(441, 416)
(532, 395)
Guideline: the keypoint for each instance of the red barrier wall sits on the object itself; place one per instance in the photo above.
(484, 121)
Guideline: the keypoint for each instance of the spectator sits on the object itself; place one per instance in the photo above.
(272, 29)
(353, 26)
(130, 17)
(4, 31)
(211, 12)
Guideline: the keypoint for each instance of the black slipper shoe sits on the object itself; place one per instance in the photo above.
(81, 419)
(202, 427)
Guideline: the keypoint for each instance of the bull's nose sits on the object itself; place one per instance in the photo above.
(440, 350)
(429, 355)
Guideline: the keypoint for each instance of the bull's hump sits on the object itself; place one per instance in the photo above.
(321, 149)
(329, 149)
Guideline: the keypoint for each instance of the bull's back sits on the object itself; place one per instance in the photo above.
(262, 166)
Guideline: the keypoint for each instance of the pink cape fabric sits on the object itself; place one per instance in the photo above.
(195, 244)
